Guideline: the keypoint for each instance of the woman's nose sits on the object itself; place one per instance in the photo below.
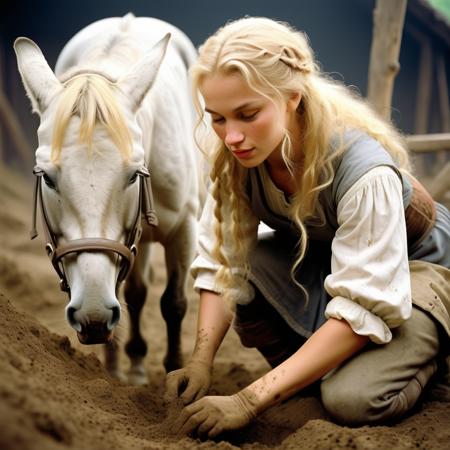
(233, 136)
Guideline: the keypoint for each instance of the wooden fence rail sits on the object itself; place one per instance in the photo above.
(422, 143)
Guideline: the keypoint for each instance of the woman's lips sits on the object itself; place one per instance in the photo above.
(243, 154)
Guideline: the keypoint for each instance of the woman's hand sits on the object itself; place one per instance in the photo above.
(213, 415)
(188, 384)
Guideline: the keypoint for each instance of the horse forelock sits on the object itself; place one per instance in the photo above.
(91, 97)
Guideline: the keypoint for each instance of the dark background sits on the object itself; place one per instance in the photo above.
(340, 32)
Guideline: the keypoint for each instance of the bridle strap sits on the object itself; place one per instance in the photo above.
(49, 235)
(94, 245)
(147, 198)
(127, 252)
(34, 232)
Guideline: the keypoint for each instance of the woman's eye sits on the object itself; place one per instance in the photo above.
(218, 119)
(48, 181)
(248, 117)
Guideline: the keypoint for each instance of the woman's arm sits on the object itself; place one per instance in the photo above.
(214, 319)
(329, 346)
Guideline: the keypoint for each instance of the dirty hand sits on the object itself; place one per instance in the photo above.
(189, 383)
(213, 415)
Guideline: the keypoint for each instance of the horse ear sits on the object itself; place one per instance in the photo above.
(39, 80)
(138, 81)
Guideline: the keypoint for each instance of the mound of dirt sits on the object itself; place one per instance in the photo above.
(55, 394)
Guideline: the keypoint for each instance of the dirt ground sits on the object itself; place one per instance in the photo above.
(55, 394)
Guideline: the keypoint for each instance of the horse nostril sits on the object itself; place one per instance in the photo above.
(71, 318)
(115, 317)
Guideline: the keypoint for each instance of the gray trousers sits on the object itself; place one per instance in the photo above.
(383, 382)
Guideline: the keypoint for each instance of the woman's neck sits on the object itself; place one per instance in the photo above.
(286, 181)
(276, 166)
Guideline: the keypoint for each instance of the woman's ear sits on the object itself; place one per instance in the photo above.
(294, 101)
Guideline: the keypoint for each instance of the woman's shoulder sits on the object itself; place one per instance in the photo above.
(361, 154)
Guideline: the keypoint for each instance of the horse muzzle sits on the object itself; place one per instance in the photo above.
(95, 333)
(93, 327)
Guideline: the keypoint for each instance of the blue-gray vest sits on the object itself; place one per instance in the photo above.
(274, 255)
(363, 154)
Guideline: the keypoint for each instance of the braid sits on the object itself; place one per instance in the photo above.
(240, 207)
(217, 251)
(227, 177)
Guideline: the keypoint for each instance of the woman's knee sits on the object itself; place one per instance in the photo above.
(347, 405)
(354, 406)
(356, 403)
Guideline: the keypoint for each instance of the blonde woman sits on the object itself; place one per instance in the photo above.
(351, 290)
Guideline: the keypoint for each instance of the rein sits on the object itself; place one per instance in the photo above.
(127, 252)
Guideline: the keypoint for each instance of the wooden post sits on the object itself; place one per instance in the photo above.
(2, 133)
(13, 128)
(423, 94)
(388, 19)
(424, 88)
(443, 93)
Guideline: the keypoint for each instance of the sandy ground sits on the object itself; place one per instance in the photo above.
(55, 394)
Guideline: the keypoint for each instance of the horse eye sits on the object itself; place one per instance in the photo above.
(48, 181)
(133, 178)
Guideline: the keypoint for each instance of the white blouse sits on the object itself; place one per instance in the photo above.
(369, 281)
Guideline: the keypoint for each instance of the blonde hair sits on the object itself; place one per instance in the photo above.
(276, 61)
(91, 97)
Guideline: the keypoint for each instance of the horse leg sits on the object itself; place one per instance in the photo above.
(179, 253)
(112, 359)
(173, 309)
(135, 295)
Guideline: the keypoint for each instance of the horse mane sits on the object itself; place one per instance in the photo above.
(91, 97)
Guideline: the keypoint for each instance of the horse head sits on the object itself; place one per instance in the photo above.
(90, 179)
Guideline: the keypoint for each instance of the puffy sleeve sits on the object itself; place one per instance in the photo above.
(205, 266)
(369, 281)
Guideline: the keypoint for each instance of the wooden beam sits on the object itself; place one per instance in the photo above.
(388, 20)
(423, 143)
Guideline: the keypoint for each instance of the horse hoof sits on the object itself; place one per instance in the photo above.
(137, 377)
(118, 375)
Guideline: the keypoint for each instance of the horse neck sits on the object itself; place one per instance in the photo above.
(117, 60)
(112, 65)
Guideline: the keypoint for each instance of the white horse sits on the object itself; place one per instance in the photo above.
(117, 105)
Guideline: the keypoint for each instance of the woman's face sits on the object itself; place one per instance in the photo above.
(250, 125)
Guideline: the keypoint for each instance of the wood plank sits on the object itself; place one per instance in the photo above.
(424, 82)
(423, 143)
(388, 20)
(12, 126)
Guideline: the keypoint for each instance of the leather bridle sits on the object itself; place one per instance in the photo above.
(127, 252)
